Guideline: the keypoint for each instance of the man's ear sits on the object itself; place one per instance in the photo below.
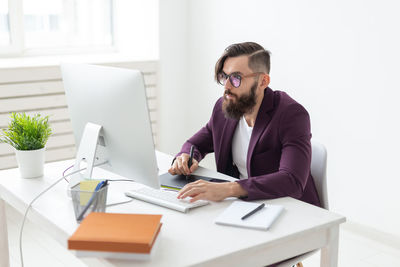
(265, 81)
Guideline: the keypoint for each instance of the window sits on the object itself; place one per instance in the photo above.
(35, 26)
(4, 24)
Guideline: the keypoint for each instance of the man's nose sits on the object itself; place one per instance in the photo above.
(228, 84)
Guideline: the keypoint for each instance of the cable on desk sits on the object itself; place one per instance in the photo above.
(70, 168)
(66, 171)
(44, 191)
(121, 180)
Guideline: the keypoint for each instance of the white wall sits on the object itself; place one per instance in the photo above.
(136, 28)
(338, 58)
(173, 71)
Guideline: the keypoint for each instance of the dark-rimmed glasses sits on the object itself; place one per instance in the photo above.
(235, 78)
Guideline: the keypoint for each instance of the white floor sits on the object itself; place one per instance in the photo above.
(41, 250)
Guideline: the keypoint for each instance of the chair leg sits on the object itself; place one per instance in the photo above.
(299, 264)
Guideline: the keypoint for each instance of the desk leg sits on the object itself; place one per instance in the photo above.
(329, 254)
(4, 256)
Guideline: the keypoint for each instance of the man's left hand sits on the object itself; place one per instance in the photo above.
(205, 190)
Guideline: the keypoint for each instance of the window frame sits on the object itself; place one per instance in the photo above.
(17, 43)
(15, 17)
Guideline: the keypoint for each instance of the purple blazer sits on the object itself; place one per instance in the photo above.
(279, 155)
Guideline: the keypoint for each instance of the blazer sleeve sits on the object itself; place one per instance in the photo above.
(294, 165)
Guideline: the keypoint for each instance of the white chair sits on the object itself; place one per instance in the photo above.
(318, 172)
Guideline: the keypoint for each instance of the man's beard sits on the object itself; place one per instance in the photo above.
(243, 104)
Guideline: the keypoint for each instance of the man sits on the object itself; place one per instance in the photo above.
(258, 135)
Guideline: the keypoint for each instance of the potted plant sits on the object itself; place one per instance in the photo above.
(28, 135)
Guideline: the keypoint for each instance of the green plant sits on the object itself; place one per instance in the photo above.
(26, 132)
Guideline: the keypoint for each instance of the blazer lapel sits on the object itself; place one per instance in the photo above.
(262, 120)
(225, 147)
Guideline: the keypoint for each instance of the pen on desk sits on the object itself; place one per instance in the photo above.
(253, 211)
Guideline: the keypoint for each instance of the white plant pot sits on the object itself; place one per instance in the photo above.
(30, 162)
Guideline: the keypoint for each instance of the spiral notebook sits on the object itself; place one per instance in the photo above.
(261, 220)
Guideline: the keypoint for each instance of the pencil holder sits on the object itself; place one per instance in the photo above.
(86, 201)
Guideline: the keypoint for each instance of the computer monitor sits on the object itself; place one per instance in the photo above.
(115, 99)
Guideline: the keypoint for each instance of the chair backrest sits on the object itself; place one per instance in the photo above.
(318, 171)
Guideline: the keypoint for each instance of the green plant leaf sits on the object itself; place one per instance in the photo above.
(26, 132)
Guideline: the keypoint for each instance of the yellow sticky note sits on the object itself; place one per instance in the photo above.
(88, 186)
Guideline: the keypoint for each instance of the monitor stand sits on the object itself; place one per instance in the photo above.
(87, 153)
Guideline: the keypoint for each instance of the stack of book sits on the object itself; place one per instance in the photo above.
(115, 235)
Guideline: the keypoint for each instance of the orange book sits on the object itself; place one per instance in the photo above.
(116, 232)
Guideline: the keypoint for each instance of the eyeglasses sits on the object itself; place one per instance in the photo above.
(234, 78)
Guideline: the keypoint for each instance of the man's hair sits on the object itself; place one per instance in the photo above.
(259, 58)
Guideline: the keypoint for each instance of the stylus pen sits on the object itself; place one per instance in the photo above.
(98, 187)
(190, 162)
(253, 211)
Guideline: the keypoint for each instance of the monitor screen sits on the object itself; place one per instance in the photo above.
(115, 99)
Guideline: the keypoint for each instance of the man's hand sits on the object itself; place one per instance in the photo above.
(180, 165)
(211, 191)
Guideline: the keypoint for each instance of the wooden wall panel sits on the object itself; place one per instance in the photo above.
(40, 90)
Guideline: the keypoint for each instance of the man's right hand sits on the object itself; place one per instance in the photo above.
(180, 165)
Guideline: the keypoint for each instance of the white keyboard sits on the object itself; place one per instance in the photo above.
(164, 198)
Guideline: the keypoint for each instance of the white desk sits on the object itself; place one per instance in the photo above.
(191, 239)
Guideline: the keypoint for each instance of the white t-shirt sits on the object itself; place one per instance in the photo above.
(240, 146)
